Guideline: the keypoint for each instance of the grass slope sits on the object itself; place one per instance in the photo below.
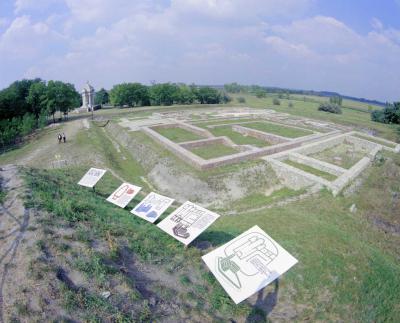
(348, 269)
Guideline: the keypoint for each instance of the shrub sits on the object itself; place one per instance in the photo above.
(241, 99)
(390, 114)
(291, 105)
(330, 107)
(276, 102)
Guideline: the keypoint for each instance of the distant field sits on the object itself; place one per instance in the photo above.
(279, 130)
(351, 117)
(178, 134)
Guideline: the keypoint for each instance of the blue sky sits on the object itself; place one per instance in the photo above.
(352, 47)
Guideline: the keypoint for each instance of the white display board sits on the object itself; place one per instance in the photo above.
(248, 263)
(123, 194)
(92, 177)
(187, 222)
(152, 207)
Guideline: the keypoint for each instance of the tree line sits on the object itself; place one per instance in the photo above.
(137, 94)
(25, 105)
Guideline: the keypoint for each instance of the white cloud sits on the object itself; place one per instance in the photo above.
(208, 41)
(376, 24)
(25, 5)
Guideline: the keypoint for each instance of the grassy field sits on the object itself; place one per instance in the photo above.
(236, 137)
(213, 151)
(359, 119)
(348, 269)
(348, 266)
(311, 170)
(178, 134)
(279, 130)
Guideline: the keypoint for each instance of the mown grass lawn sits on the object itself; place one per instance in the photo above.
(236, 137)
(178, 134)
(213, 151)
(279, 130)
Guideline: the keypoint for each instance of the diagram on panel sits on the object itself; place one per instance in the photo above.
(250, 255)
(185, 218)
(152, 206)
(187, 222)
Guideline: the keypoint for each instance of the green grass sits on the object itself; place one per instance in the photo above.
(258, 200)
(236, 137)
(213, 151)
(309, 109)
(348, 270)
(347, 158)
(178, 134)
(311, 170)
(204, 124)
(56, 191)
(279, 130)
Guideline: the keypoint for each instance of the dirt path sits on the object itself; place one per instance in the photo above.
(14, 220)
(48, 150)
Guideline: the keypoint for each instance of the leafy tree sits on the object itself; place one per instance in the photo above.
(336, 100)
(208, 95)
(37, 98)
(164, 94)
(61, 97)
(186, 94)
(28, 124)
(390, 114)
(101, 97)
(131, 94)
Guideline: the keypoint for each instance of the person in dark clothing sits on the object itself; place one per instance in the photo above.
(63, 137)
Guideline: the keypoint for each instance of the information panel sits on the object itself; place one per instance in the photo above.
(152, 207)
(248, 263)
(92, 177)
(187, 222)
(124, 194)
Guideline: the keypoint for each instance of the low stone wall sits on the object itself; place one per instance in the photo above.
(317, 164)
(179, 151)
(351, 174)
(361, 143)
(293, 177)
(268, 137)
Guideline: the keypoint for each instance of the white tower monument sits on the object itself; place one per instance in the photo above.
(88, 97)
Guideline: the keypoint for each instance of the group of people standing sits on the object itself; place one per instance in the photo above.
(61, 137)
